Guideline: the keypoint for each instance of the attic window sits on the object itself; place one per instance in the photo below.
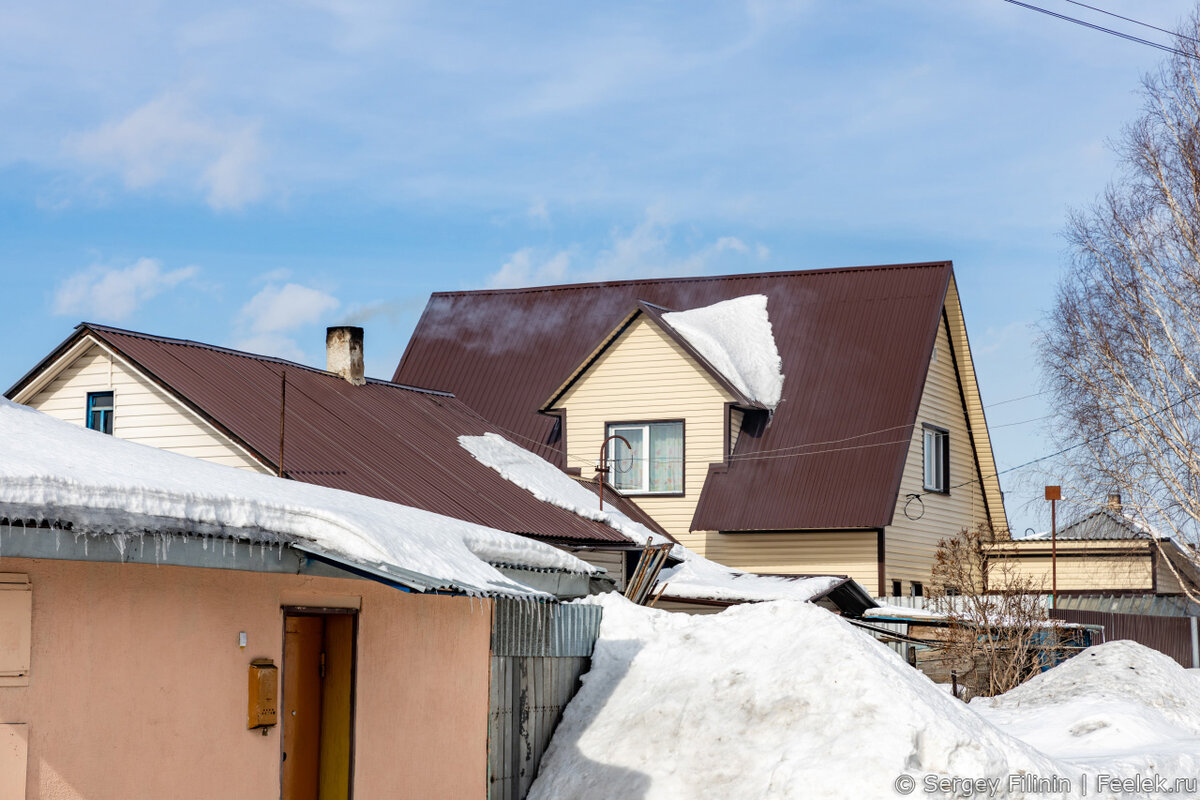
(100, 411)
(652, 463)
(937, 459)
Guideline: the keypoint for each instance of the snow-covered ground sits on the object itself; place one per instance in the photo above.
(107, 486)
(786, 700)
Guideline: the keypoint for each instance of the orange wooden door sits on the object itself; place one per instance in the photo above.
(302, 644)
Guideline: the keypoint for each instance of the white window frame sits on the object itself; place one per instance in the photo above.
(935, 459)
(617, 428)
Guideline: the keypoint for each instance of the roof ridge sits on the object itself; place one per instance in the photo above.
(246, 354)
(695, 278)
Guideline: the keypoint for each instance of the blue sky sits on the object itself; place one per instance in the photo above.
(248, 174)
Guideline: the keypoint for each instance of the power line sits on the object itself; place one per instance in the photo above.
(1127, 36)
(1015, 399)
(1134, 21)
(1022, 422)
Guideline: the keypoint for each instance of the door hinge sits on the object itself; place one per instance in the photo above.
(322, 664)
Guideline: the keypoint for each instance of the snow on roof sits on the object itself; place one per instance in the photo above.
(106, 485)
(735, 337)
(697, 578)
(781, 700)
(550, 484)
(901, 611)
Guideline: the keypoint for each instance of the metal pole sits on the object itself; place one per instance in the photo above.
(1053, 494)
(282, 418)
(604, 462)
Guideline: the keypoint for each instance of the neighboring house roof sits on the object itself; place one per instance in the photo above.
(56, 473)
(385, 440)
(855, 345)
(1105, 524)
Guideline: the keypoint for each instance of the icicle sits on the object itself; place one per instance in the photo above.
(57, 540)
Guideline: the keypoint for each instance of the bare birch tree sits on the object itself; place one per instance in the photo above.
(1121, 349)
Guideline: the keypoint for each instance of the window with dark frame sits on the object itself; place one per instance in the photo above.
(896, 589)
(917, 589)
(937, 459)
(100, 411)
(652, 463)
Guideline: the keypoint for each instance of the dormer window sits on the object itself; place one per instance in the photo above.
(652, 463)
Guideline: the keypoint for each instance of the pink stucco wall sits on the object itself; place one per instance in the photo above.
(138, 687)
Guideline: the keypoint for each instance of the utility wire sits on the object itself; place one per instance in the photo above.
(1127, 36)
(1134, 21)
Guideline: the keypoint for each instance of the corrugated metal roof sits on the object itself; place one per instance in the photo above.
(381, 439)
(1104, 524)
(855, 345)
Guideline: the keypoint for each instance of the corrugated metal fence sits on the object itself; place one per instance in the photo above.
(539, 651)
(1175, 636)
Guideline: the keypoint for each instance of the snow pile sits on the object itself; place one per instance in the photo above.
(771, 700)
(102, 484)
(696, 578)
(884, 610)
(1117, 699)
(735, 337)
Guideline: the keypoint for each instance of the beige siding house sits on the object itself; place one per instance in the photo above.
(143, 411)
(397, 443)
(1105, 552)
(878, 448)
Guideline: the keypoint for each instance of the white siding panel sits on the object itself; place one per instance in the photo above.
(142, 412)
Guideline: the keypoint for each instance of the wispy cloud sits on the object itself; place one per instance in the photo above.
(525, 268)
(169, 138)
(114, 293)
(648, 249)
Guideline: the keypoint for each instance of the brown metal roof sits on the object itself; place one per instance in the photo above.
(385, 440)
(855, 345)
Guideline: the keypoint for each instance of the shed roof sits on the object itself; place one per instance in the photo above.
(393, 442)
(855, 345)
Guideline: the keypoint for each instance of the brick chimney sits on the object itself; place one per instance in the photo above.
(1114, 502)
(344, 353)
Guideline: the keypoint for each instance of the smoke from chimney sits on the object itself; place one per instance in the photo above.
(344, 353)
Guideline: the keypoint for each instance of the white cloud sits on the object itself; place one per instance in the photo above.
(168, 139)
(643, 251)
(115, 293)
(524, 269)
(281, 308)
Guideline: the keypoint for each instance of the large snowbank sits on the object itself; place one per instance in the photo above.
(736, 338)
(105, 484)
(697, 578)
(1115, 701)
(770, 700)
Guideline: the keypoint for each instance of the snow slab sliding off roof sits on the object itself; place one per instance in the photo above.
(697, 578)
(735, 336)
(104, 484)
